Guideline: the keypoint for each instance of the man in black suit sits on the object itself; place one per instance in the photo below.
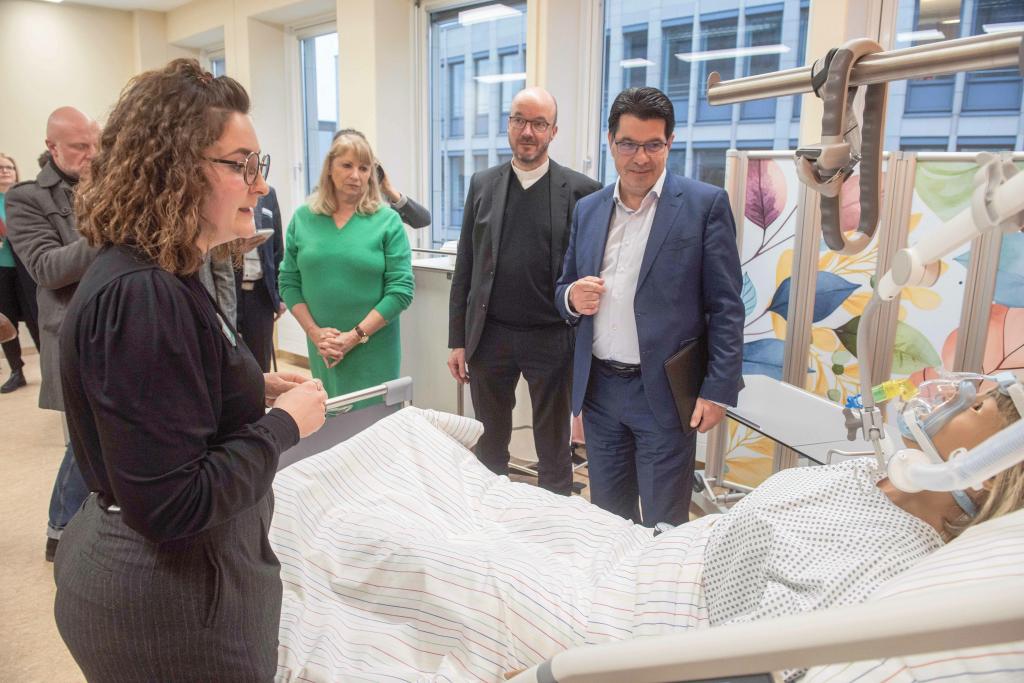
(502, 319)
(259, 303)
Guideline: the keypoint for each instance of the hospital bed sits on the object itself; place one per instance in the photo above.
(948, 607)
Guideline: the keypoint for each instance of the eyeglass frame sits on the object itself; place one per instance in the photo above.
(262, 165)
(538, 125)
(12, 169)
(661, 145)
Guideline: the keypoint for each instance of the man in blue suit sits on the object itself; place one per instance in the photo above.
(652, 263)
(259, 303)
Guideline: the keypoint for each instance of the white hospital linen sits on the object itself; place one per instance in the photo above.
(810, 538)
(404, 559)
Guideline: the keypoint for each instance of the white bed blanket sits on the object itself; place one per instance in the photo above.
(404, 559)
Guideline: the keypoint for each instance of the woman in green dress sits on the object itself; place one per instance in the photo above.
(347, 273)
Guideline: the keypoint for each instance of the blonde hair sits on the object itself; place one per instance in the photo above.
(323, 200)
(1006, 493)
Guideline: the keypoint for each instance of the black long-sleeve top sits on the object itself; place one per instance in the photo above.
(164, 404)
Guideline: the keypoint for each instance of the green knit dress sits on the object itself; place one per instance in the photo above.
(341, 274)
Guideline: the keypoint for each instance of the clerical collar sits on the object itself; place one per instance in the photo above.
(527, 178)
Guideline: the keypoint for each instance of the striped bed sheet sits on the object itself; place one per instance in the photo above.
(404, 559)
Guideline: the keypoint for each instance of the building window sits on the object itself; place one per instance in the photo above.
(709, 162)
(319, 63)
(680, 50)
(994, 90)
(985, 143)
(801, 56)
(218, 64)
(763, 37)
(677, 159)
(634, 58)
(511, 62)
(456, 188)
(924, 144)
(677, 39)
(717, 36)
(477, 59)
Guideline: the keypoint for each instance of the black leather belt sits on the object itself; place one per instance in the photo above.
(626, 370)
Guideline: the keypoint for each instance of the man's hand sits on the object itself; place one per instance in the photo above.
(282, 308)
(250, 243)
(457, 366)
(585, 295)
(277, 383)
(706, 414)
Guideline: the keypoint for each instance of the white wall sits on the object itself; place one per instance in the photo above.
(56, 55)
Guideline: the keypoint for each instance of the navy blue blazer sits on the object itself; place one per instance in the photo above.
(689, 285)
(268, 216)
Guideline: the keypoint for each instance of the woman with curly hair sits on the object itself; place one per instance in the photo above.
(166, 572)
(347, 272)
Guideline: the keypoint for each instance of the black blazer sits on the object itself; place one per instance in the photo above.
(271, 252)
(481, 234)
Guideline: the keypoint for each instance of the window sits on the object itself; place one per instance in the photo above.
(988, 102)
(481, 71)
(634, 58)
(457, 189)
(678, 47)
(477, 63)
(218, 65)
(511, 62)
(709, 162)
(763, 34)
(924, 144)
(677, 159)
(677, 39)
(319, 63)
(985, 143)
(994, 89)
(718, 36)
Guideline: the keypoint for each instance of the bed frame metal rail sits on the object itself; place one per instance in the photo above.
(930, 621)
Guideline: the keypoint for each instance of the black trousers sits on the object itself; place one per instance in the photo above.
(256, 323)
(13, 304)
(544, 357)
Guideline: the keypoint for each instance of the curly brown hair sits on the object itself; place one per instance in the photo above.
(147, 182)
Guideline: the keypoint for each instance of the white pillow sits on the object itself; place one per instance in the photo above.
(465, 430)
(993, 551)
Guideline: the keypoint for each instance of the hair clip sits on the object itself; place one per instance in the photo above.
(204, 77)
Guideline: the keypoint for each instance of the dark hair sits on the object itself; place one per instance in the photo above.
(147, 181)
(645, 104)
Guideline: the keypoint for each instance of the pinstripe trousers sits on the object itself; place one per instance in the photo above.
(204, 608)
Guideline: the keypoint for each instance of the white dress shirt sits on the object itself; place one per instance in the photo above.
(615, 336)
(528, 178)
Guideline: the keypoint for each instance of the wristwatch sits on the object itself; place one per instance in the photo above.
(363, 337)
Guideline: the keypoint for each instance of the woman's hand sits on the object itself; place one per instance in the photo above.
(333, 349)
(277, 383)
(306, 404)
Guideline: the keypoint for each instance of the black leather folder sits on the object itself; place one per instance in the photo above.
(686, 369)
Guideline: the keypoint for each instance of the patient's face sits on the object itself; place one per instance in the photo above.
(970, 427)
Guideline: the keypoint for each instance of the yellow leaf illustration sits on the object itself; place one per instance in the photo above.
(925, 299)
(784, 268)
(855, 303)
(915, 218)
(764, 446)
(825, 339)
(778, 325)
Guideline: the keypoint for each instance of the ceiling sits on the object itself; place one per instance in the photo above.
(154, 5)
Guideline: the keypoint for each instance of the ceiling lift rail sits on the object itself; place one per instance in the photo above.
(989, 51)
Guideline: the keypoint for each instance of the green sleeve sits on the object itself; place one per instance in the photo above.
(398, 280)
(289, 280)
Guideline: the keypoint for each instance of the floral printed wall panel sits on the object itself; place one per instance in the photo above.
(766, 255)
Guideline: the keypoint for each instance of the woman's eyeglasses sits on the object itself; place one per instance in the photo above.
(7, 169)
(252, 166)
